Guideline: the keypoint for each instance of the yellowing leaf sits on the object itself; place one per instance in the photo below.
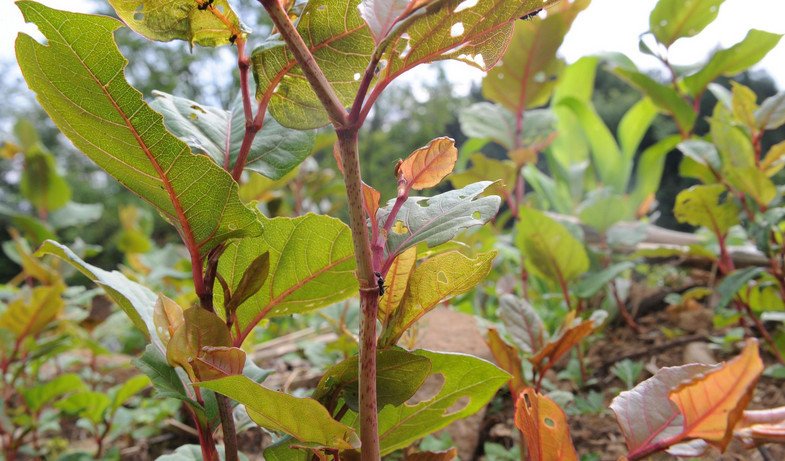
(507, 358)
(544, 425)
(29, 315)
(440, 277)
(774, 160)
(427, 166)
(712, 403)
(396, 282)
(706, 206)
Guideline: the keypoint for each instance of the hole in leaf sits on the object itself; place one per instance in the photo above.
(139, 17)
(465, 5)
(357, 76)
(458, 406)
(540, 77)
(399, 228)
(663, 23)
(549, 422)
(527, 401)
(441, 277)
(713, 8)
(476, 215)
(457, 29)
(195, 107)
(193, 116)
(429, 389)
(321, 8)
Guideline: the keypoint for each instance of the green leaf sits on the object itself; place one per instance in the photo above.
(634, 125)
(665, 97)
(771, 113)
(251, 281)
(530, 69)
(483, 169)
(90, 405)
(164, 377)
(648, 172)
(41, 184)
(166, 20)
(549, 250)
(702, 152)
(342, 46)
(42, 394)
(602, 209)
(275, 150)
(492, 121)
(673, 19)
(464, 377)
(311, 266)
(596, 281)
(127, 390)
(194, 453)
(522, 322)
(76, 214)
(29, 315)
(752, 182)
(440, 277)
(707, 206)
(734, 282)
(78, 78)
(399, 374)
(733, 143)
(555, 195)
(304, 419)
(437, 219)
(733, 60)
(137, 301)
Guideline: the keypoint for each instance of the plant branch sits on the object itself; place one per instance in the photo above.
(311, 70)
(229, 430)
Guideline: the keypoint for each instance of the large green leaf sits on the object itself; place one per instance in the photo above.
(29, 315)
(530, 69)
(399, 374)
(491, 121)
(733, 60)
(665, 97)
(38, 396)
(708, 206)
(673, 19)
(732, 142)
(464, 377)
(165, 20)
(549, 250)
(439, 277)
(752, 182)
(648, 171)
(137, 301)
(304, 419)
(342, 45)
(311, 266)
(771, 113)
(437, 219)
(90, 405)
(275, 150)
(634, 125)
(128, 389)
(734, 282)
(78, 77)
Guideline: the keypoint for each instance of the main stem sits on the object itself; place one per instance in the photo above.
(369, 295)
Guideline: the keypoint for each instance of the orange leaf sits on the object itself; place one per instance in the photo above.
(427, 166)
(544, 426)
(397, 280)
(560, 345)
(448, 455)
(507, 358)
(712, 403)
(218, 362)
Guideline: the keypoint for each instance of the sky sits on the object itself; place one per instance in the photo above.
(606, 25)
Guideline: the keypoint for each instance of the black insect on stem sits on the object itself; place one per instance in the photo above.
(204, 5)
(232, 38)
(531, 15)
(380, 282)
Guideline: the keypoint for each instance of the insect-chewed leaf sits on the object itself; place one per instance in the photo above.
(166, 20)
(342, 46)
(707, 206)
(427, 166)
(544, 425)
(79, 80)
(437, 219)
(713, 403)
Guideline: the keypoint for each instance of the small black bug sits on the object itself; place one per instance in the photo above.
(232, 38)
(204, 5)
(380, 282)
(531, 15)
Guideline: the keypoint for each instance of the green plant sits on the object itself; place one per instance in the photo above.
(247, 267)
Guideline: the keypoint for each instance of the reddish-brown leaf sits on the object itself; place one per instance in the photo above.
(562, 343)
(544, 425)
(427, 166)
(507, 358)
(218, 362)
(713, 403)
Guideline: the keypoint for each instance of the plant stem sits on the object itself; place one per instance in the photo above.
(229, 430)
(369, 295)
